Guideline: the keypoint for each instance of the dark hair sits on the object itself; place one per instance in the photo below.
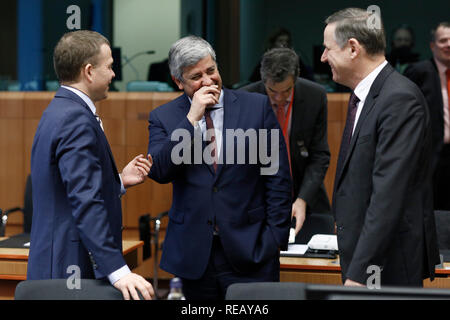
(275, 34)
(74, 50)
(354, 23)
(279, 63)
(444, 24)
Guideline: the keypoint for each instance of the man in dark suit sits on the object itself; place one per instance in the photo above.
(382, 200)
(433, 78)
(77, 215)
(301, 109)
(231, 205)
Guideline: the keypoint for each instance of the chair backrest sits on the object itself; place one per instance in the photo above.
(442, 219)
(315, 223)
(143, 86)
(266, 291)
(58, 289)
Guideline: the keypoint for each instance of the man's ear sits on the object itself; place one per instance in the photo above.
(86, 72)
(355, 47)
(178, 83)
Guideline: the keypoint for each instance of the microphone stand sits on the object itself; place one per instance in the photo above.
(128, 61)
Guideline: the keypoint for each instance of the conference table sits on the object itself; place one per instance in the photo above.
(13, 265)
(328, 271)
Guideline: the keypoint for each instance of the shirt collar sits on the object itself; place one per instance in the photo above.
(363, 88)
(440, 66)
(83, 96)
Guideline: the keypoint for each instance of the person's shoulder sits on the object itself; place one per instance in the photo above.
(67, 105)
(257, 86)
(399, 88)
(424, 66)
(168, 106)
(309, 86)
(244, 95)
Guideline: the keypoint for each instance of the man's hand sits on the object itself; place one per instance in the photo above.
(132, 281)
(299, 212)
(351, 283)
(135, 172)
(203, 97)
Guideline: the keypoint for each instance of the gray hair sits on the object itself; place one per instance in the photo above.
(279, 63)
(354, 23)
(187, 52)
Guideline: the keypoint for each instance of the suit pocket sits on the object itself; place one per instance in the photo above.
(176, 216)
(256, 215)
(363, 139)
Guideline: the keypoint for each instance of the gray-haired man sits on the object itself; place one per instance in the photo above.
(227, 220)
(382, 198)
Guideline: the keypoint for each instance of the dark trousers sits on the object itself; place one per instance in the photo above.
(219, 275)
(441, 180)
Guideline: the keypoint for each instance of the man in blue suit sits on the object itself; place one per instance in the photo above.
(231, 206)
(77, 217)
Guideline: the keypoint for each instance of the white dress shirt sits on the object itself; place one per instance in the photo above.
(443, 77)
(119, 273)
(363, 88)
(217, 119)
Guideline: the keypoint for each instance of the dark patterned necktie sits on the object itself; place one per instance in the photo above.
(99, 121)
(212, 137)
(348, 130)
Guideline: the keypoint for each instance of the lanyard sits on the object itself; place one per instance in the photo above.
(288, 115)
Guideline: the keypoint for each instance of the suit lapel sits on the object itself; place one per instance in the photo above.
(298, 114)
(368, 106)
(230, 120)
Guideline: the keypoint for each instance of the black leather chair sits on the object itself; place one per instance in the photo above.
(315, 223)
(58, 289)
(266, 291)
(27, 211)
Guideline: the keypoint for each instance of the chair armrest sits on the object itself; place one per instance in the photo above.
(7, 212)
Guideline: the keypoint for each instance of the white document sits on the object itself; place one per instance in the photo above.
(295, 250)
(323, 242)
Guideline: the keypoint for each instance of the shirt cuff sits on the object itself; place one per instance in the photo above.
(122, 188)
(118, 274)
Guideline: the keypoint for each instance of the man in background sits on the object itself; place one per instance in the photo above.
(433, 78)
(301, 109)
